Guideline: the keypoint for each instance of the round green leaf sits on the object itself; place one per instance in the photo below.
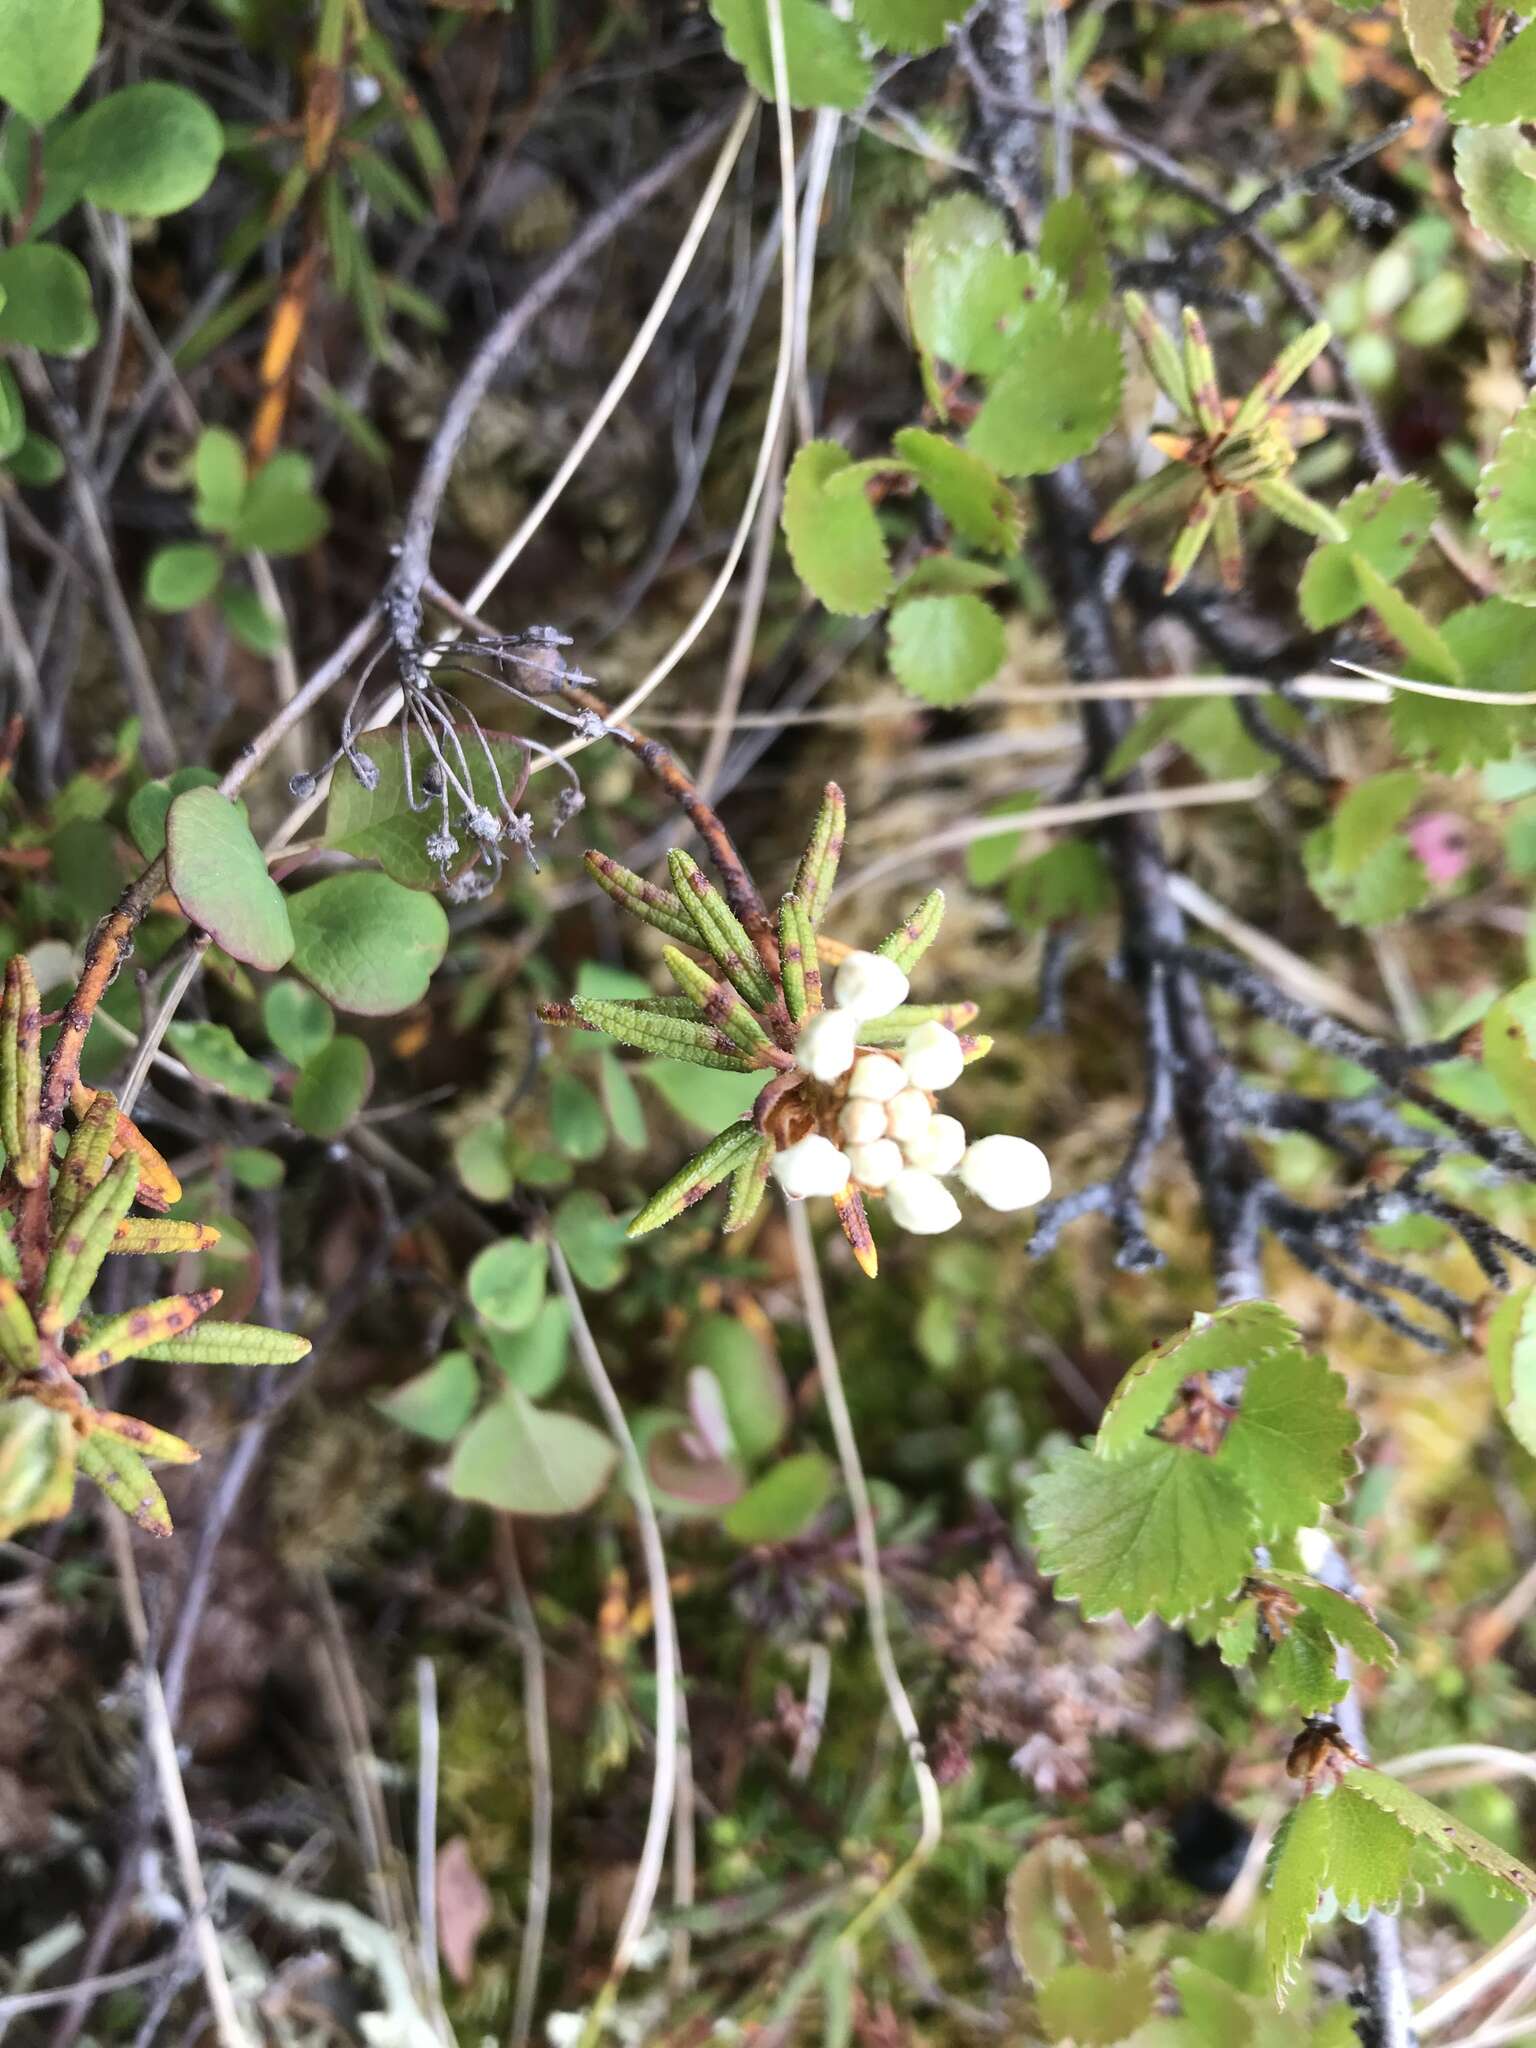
(1512, 1362)
(254, 1167)
(181, 576)
(506, 1282)
(332, 1087)
(38, 462)
(248, 619)
(437, 1403)
(748, 1376)
(147, 150)
(366, 943)
(484, 1162)
(280, 513)
(913, 26)
(592, 1239)
(214, 1052)
(47, 299)
(576, 1119)
(298, 1022)
(149, 807)
(218, 476)
(220, 878)
(944, 648)
(534, 1359)
(834, 540)
(783, 1502)
(528, 1461)
(46, 49)
(1504, 90)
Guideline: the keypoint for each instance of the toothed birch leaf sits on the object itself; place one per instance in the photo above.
(1388, 524)
(219, 876)
(822, 58)
(1058, 395)
(1162, 1530)
(911, 26)
(530, 1461)
(1505, 88)
(1428, 655)
(1305, 1667)
(1506, 491)
(1512, 1362)
(1496, 170)
(969, 492)
(1490, 645)
(1345, 1619)
(1072, 249)
(1442, 1832)
(1509, 1052)
(1429, 24)
(834, 538)
(1094, 2008)
(367, 944)
(967, 287)
(1291, 1448)
(1232, 1339)
(943, 649)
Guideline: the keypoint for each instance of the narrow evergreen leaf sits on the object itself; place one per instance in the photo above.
(85, 1241)
(719, 931)
(652, 905)
(21, 1073)
(749, 1183)
(718, 1003)
(916, 932)
(229, 1344)
(817, 870)
(649, 1029)
(126, 1480)
(133, 1334)
(18, 1332)
(735, 1146)
(87, 1160)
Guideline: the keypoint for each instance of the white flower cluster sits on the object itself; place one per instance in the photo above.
(894, 1141)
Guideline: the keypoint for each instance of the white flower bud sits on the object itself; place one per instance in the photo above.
(940, 1148)
(933, 1056)
(826, 1045)
(868, 986)
(1007, 1173)
(876, 1165)
(876, 1077)
(814, 1166)
(921, 1203)
(862, 1121)
(907, 1116)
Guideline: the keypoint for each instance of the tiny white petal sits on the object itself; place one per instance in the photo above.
(876, 1077)
(1007, 1173)
(921, 1203)
(814, 1166)
(940, 1148)
(933, 1057)
(826, 1045)
(876, 1165)
(862, 1121)
(907, 1116)
(868, 986)
(564, 2029)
